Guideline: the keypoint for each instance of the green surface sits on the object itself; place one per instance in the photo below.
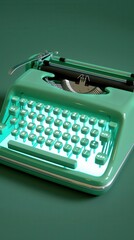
(99, 32)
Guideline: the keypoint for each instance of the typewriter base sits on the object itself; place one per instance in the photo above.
(62, 180)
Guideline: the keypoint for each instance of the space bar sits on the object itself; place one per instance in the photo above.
(42, 154)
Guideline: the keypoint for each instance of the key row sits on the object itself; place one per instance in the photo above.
(56, 134)
(104, 135)
(57, 111)
(58, 122)
(15, 111)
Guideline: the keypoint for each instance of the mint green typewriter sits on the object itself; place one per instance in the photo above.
(68, 122)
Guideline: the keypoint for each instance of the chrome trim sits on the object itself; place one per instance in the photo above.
(38, 58)
(51, 174)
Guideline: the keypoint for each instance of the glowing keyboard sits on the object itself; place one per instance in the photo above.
(80, 141)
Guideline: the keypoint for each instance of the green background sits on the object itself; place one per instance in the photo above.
(99, 32)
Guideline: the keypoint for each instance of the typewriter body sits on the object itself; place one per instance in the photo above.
(69, 122)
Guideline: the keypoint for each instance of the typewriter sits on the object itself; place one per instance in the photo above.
(69, 122)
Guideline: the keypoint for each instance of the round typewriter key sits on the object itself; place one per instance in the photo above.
(23, 102)
(49, 120)
(67, 125)
(48, 109)
(39, 106)
(31, 126)
(58, 145)
(67, 148)
(83, 118)
(86, 153)
(31, 104)
(49, 142)
(85, 130)
(23, 135)
(14, 110)
(40, 140)
(75, 116)
(32, 115)
(39, 129)
(94, 132)
(15, 133)
(13, 121)
(102, 123)
(48, 131)
(92, 120)
(76, 150)
(22, 124)
(76, 127)
(58, 122)
(65, 113)
(41, 117)
(75, 139)
(94, 144)
(57, 134)
(84, 141)
(66, 136)
(15, 99)
(57, 111)
(32, 137)
(23, 112)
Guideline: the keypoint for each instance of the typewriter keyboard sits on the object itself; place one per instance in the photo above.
(66, 137)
